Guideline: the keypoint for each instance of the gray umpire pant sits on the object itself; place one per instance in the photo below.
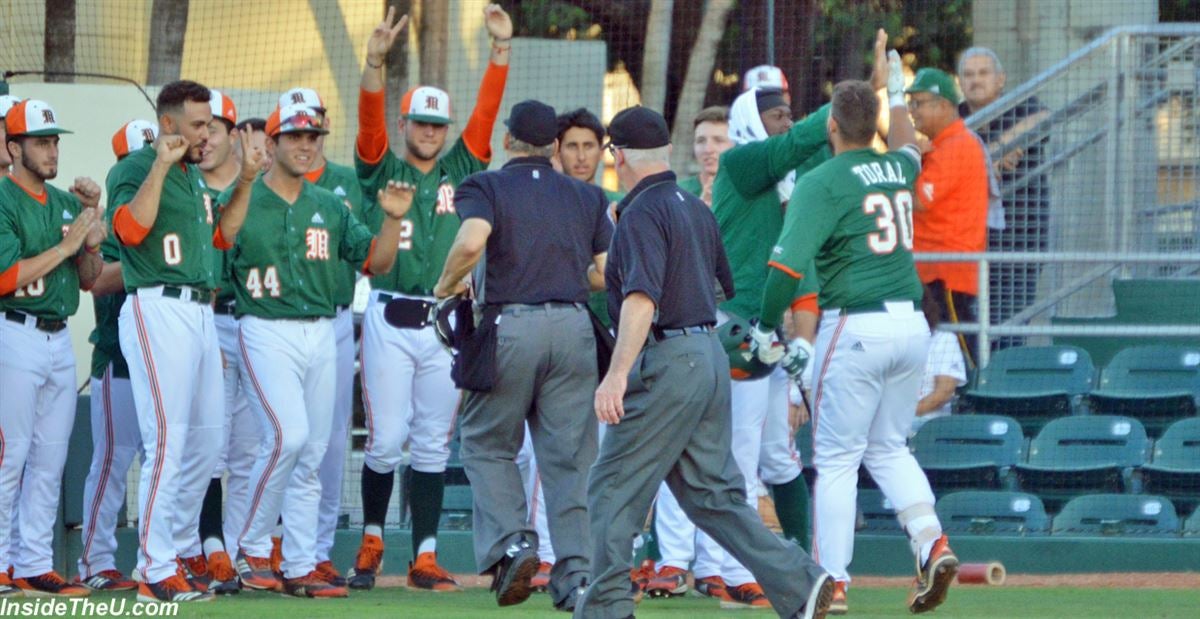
(546, 374)
(677, 427)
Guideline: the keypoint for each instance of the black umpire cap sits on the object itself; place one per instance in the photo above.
(533, 122)
(638, 128)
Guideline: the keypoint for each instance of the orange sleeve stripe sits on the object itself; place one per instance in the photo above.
(219, 241)
(785, 269)
(127, 229)
(8, 280)
(366, 267)
(477, 135)
(372, 141)
(806, 303)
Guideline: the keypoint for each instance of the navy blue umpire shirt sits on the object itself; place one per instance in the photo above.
(668, 247)
(546, 230)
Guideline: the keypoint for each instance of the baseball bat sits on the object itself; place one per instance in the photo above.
(990, 573)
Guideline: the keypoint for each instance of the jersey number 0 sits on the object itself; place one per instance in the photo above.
(894, 219)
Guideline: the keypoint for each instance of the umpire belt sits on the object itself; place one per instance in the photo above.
(44, 325)
(658, 334)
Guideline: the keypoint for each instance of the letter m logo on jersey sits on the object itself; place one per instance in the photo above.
(317, 240)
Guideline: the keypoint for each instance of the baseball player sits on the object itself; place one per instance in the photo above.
(407, 389)
(49, 250)
(666, 394)
(286, 265)
(6, 104)
(168, 237)
(343, 182)
(853, 215)
(115, 436)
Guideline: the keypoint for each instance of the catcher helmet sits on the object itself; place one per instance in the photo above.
(735, 338)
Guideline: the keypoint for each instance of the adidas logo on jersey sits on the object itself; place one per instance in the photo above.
(67, 214)
(858, 347)
(339, 192)
(317, 219)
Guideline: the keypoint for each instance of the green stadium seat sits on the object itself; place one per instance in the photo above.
(1102, 348)
(963, 452)
(987, 512)
(1157, 300)
(1142, 515)
(1174, 471)
(457, 505)
(1033, 384)
(1156, 384)
(1191, 528)
(876, 514)
(1083, 455)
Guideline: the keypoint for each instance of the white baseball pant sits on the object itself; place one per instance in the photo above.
(535, 498)
(116, 440)
(175, 372)
(241, 435)
(408, 394)
(869, 369)
(334, 463)
(37, 413)
(680, 541)
(289, 365)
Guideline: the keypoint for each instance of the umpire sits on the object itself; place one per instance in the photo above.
(666, 393)
(543, 238)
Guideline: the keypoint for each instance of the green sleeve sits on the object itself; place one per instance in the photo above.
(807, 284)
(124, 182)
(777, 297)
(10, 240)
(459, 163)
(109, 250)
(754, 168)
(371, 177)
(810, 220)
(356, 241)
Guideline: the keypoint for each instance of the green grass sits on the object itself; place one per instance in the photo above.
(966, 602)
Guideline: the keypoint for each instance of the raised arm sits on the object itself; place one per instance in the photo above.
(133, 221)
(233, 214)
(900, 128)
(372, 141)
(477, 135)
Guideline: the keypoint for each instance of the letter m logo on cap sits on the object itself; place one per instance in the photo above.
(48, 116)
(426, 104)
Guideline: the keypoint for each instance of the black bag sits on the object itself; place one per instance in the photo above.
(605, 343)
(474, 366)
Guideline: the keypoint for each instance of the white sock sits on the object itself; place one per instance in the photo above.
(373, 529)
(926, 548)
(428, 544)
(924, 524)
(212, 545)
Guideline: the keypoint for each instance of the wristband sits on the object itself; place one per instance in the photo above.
(897, 100)
(374, 66)
(92, 250)
(61, 254)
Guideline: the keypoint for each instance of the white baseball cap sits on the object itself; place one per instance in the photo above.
(132, 136)
(302, 96)
(222, 106)
(426, 104)
(6, 104)
(32, 117)
(765, 75)
(295, 119)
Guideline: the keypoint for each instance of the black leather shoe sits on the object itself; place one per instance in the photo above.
(513, 573)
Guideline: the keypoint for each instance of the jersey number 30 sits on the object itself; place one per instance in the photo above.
(894, 219)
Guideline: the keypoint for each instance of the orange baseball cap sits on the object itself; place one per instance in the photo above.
(32, 117)
(222, 106)
(133, 135)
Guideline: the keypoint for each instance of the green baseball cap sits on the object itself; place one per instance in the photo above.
(937, 82)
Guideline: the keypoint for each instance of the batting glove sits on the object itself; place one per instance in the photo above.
(799, 351)
(764, 346)
(895, 83)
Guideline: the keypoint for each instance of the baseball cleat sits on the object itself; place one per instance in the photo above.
(256, 573)
(367, 564)
(642, 574)
(513, 573)
(327, 572)
(107, 580)
(820, 597)
(50, 584)
(173, 589)
(668, 582)
(277, 556)
(426, 574)
(933, 580)
(838, 605)
(312, 585)
(541, 580)
(747, 596)
(224, 577)
(7, 588)
(195, 569)
(712, 587)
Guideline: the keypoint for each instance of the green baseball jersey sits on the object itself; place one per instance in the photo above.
(747, 205)
(691, 185)
(105, 337)
(853, 214)
(221, 281)
(431, 224)
(179, 249)
(343, 182)
(598, 301)
(287, 258)
(30, 225)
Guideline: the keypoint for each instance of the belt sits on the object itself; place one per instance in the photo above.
(342, 307)
(225, 308)
(519, 308)
(384, 297)
(871, 308)
(186, 293)
(41, 324)
(658, 334)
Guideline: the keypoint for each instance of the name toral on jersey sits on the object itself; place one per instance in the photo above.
(876, 173)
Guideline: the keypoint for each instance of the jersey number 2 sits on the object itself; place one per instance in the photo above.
(894, 219)
(256, 281)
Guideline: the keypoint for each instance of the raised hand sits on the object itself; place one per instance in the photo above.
(895, 83)
(87, 191)
(96, 234)
(498, 23)
(170, 148)
(384, 36)
(79, 230)
(879, 75)
(396, 198)
(252, 156)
